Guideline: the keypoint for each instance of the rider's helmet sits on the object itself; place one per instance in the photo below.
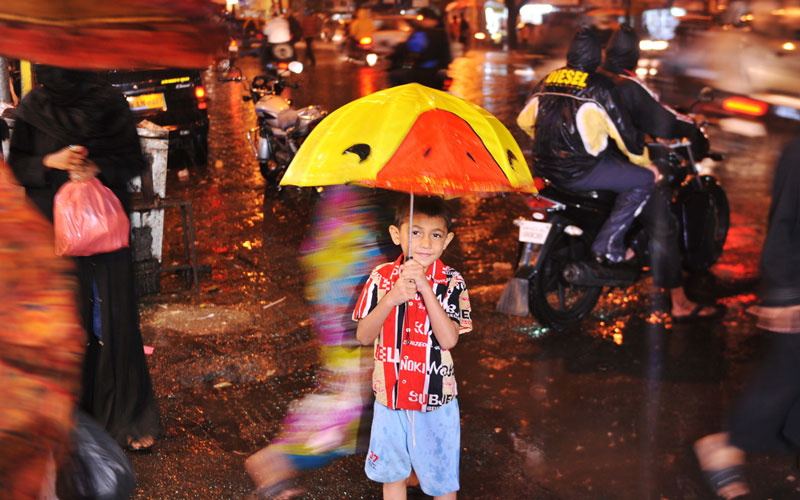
(585, 52)
(622, 51)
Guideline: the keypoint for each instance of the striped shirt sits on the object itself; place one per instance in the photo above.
(412, 372)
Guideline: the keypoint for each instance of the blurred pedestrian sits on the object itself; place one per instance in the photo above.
(363, 26)
(41, 348)
(766, 418)
(310, 25)
(454, 25)
(415, 424)
(342, 249)
(73, 128)
(424, 57)
(463, 32)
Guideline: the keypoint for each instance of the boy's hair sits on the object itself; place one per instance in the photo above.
(432, 206)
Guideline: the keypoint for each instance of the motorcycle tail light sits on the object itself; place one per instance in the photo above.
(539, 204)
(283, 65)
(233, 44)
(200, 93)
(745, 106)
(365, 41)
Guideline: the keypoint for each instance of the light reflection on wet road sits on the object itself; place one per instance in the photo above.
(607, 412)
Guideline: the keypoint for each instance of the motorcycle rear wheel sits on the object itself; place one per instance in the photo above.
(553, 301)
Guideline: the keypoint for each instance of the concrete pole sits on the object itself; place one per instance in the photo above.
(5, 89)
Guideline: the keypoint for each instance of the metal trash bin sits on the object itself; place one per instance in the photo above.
(147, 225)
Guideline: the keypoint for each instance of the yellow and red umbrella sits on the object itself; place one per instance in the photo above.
(415, 139)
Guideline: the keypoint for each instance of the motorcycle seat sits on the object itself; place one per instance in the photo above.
(287, 118)
(594, 197)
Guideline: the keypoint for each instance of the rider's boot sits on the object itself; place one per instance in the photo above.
(609, 244)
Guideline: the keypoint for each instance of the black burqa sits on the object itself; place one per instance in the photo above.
(72, 108)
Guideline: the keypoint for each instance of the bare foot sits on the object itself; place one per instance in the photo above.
(685, 309)
(142, 443)
(715, 453)
(273, 475)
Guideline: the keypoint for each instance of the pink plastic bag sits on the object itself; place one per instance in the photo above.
(89, 219)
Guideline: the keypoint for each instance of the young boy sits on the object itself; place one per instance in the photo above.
(414, 310)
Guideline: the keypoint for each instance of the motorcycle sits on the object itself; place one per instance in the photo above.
(361, 51)
(281, 128)
(556, 270)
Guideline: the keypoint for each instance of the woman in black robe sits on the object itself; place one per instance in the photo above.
(74, 127)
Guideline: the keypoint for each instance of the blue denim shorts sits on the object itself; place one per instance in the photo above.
(430, 442)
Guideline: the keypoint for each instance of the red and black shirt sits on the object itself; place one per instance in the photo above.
(412, 372)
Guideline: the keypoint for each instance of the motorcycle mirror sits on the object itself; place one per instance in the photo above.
(296, 67)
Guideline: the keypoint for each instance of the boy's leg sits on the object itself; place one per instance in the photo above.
(448, 496)
(395, 490)
(434, 445)
(387, 460)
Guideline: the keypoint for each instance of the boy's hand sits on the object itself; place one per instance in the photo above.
(403, 290)
(413, 270)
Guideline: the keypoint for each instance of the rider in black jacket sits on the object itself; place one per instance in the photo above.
(649, 116)
(572, 114)
(652, 118)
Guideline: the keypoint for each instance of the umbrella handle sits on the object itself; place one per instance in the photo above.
(410, 225)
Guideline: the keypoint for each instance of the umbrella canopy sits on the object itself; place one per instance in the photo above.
(415, 139)
(91, 34)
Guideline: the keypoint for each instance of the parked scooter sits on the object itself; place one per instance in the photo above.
(557, 278)
(281, 128)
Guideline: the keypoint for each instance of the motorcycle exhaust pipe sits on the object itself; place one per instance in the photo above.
(593, 274)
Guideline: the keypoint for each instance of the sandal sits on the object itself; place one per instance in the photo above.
(722, 466)
(129, 446)
(282, 490)
(695, 315)
(717, 480)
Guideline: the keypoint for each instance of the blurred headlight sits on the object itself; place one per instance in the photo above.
(648, 45)
(789, 46)
(480, 36)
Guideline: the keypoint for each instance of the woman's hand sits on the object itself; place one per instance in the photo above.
(68, 158)
(85, 172)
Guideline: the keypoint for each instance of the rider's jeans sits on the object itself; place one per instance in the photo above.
(634, 185)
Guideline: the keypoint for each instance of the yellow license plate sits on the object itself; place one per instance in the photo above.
(145, 102)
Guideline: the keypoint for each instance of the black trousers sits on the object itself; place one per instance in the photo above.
(310, 50)
(637, 194)
(766, 419)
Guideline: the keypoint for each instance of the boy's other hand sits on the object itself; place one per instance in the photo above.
(403, 290)
(413, 270)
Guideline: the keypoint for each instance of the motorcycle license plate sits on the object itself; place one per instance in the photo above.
(144, 102)
(534, 232)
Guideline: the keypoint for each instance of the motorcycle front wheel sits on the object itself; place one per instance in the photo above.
(704, 222)
(554, 301)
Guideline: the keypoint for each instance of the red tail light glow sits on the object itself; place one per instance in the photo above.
(745, 106)
(283, 65)
(202, 105)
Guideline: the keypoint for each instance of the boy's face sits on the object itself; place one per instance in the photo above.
(430, 238)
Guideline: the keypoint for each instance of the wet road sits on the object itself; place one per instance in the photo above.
(605, 412)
